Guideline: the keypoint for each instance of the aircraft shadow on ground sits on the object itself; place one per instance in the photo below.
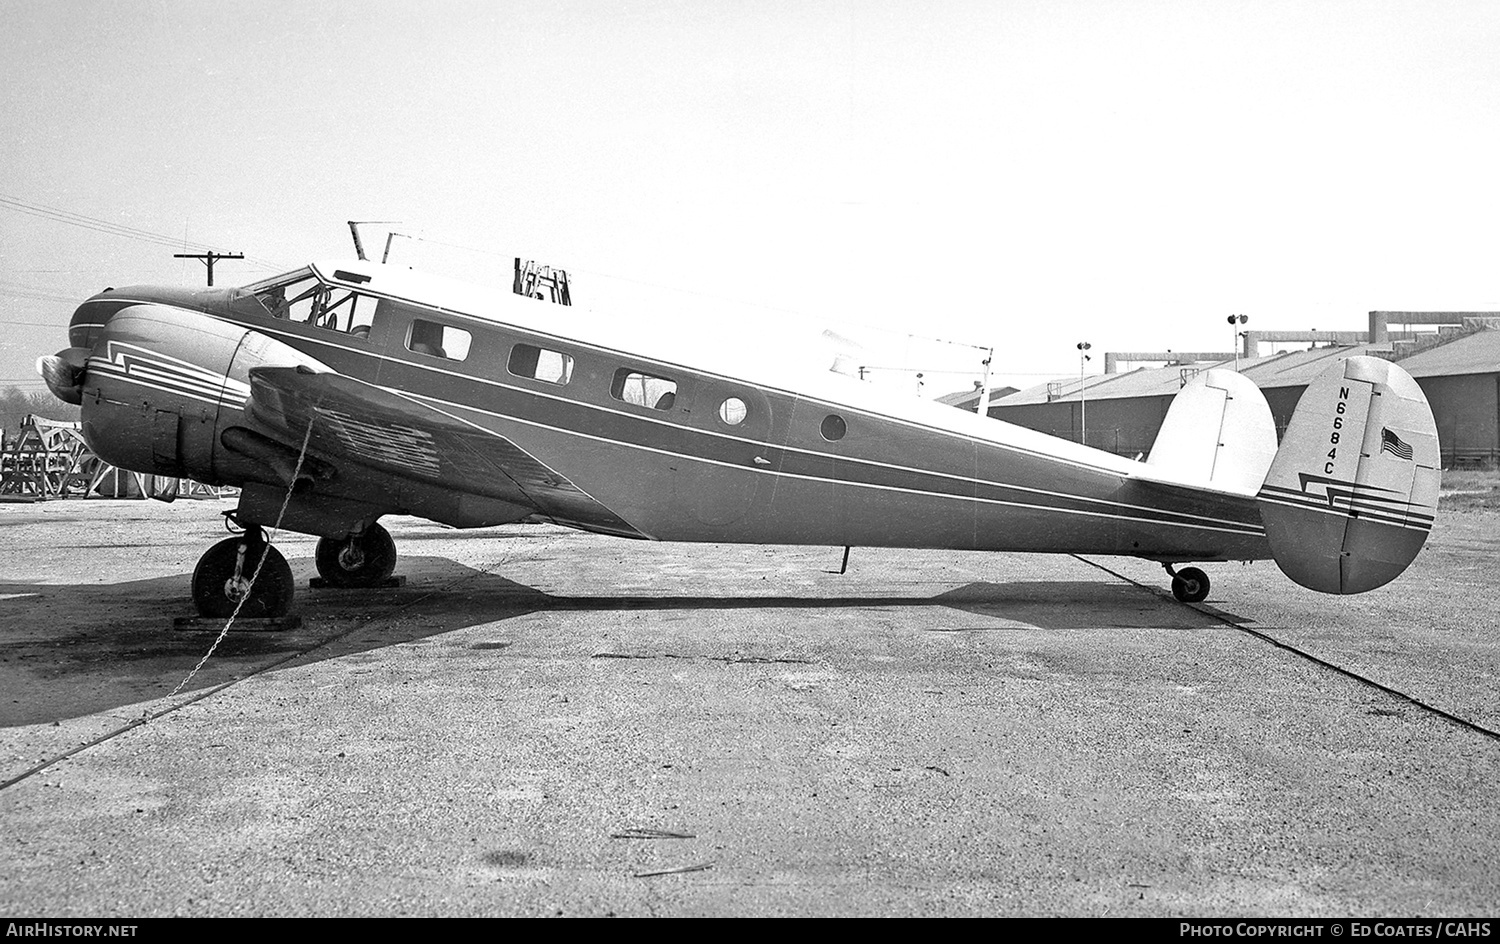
(68, 651)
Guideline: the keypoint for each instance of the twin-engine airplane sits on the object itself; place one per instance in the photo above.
(340, 393)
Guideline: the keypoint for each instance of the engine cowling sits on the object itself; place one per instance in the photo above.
(160, 386)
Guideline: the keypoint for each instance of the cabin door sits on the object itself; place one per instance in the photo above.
(730, 463)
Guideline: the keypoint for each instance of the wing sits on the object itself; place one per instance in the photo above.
(359, 422)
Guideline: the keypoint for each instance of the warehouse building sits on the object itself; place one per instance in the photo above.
(1458, 368)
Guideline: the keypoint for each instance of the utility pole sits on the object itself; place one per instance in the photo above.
(209, 258)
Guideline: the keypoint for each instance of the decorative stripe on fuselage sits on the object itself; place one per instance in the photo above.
(136, 364)
(911, 488)
(616, 426)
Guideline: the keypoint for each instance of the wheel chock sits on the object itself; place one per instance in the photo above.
(321, 583)
(249, 624)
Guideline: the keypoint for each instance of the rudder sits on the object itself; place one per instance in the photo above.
(1352, 492)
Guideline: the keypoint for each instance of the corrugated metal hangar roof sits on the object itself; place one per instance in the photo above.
(1475, 353)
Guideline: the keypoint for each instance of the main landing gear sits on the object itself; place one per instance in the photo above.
(360, 560)
(1190, 585)
(227, 573)
(243, 568)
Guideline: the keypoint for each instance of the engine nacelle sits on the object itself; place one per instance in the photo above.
(161, 385)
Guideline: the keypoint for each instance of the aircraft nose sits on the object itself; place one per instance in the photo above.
(90, 318)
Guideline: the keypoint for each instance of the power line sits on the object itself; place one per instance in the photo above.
(921, 370)
(93, 223)
(32, 293)
(113, 229)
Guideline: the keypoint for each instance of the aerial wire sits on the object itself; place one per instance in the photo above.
(71, 218)
(719, 298)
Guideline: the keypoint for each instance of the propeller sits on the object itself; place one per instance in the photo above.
(63, 373)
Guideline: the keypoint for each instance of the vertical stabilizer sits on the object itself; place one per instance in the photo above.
(1218, 433)
(1353, 490)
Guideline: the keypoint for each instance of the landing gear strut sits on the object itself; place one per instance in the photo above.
(360, 560)
(223, 578)
(1190, 585)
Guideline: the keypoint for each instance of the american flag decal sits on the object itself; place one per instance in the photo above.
(1395, 445)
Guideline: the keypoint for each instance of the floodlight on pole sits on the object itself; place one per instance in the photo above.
(1235, 341)
(1083, 398)
(983, 406)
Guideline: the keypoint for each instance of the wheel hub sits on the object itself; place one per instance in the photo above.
(351, 557)
(235, 588)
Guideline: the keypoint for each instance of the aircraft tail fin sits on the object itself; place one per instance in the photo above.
(1218, 433)
(1352, 492)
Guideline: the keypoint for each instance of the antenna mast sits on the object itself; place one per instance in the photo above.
(359, 247)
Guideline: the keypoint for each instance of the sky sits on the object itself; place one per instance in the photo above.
(927, 178)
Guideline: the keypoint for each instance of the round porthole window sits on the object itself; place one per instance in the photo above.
(733, 411)
(834, 427)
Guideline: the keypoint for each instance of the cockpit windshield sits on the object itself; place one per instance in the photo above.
(255, 288)
(300, 297)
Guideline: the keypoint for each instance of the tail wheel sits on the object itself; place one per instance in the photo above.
(222, 579)
(360, 560)
(1190, 585)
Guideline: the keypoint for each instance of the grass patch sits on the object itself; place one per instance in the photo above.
(1470, 490)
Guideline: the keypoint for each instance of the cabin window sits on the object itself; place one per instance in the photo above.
(733, 411)
(834, 427)
(631, 386)
(438, 340)
(528, 360)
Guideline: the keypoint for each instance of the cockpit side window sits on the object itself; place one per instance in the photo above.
(305, 300)
(341, 310)
(288, 300)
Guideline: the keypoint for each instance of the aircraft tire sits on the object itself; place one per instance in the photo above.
(270, 596)
(1190, 585)
(361, 560)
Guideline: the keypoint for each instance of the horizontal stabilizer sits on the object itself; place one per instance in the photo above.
(1218, 434)
(1353, 490)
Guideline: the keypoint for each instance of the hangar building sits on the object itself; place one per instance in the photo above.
(1457, 367)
